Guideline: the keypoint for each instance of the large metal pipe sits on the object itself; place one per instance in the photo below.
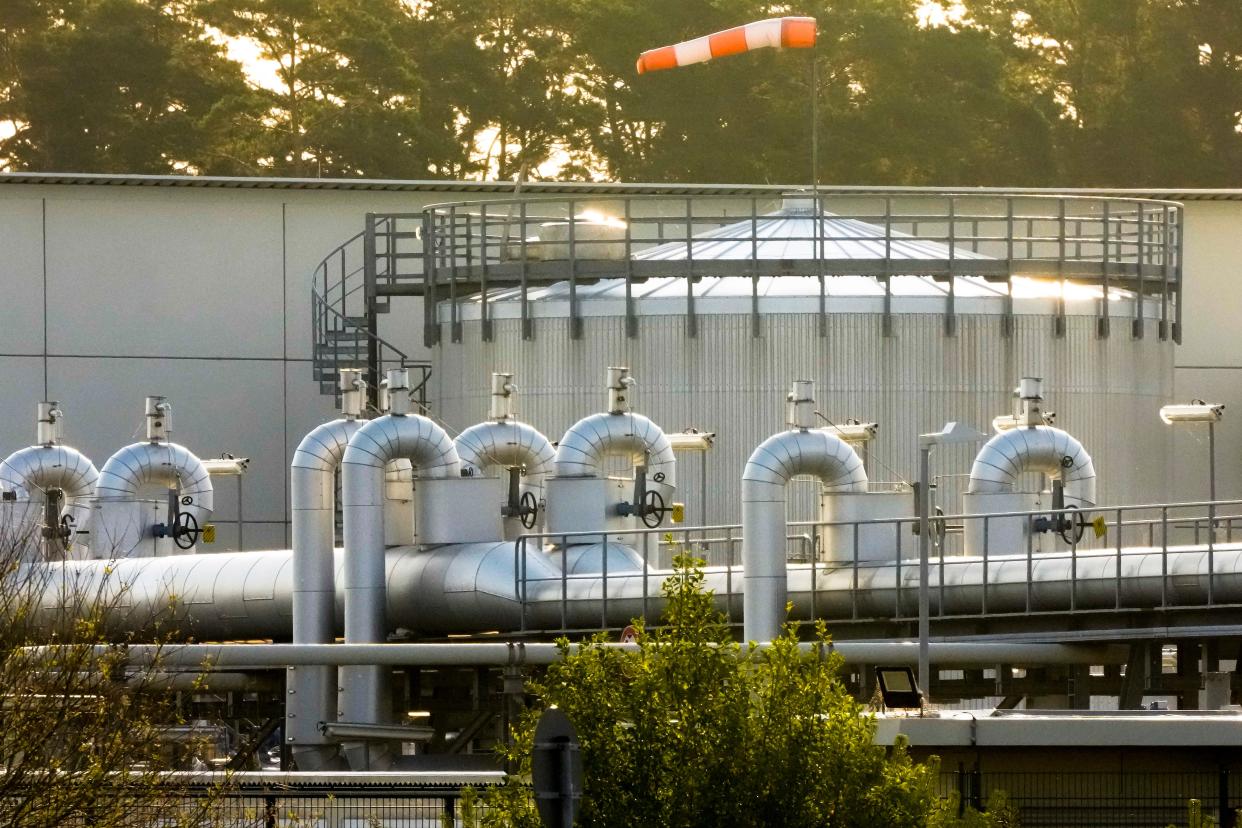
(619, 431)
(38, 468)
(1004, 458)
(486, 654)
(48, 465)
(473, 588)
(771, 466)
(1034, 447)
(504, 442)
(489, 446)
(398, 435)
(312, 477)
(156, 461)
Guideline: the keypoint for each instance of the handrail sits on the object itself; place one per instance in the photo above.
(1112, 243)
(343, 318)
(1164, 557)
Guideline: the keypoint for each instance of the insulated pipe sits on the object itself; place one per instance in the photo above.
(394, 436)
(589, 441)
(52, 467)
(486, 654)
(771, 466)
(153, 462)
(505, 444)
(312, 691)
(49, 465)
(1005, 457)
(312, 475)
(583, 449)
(472, 588)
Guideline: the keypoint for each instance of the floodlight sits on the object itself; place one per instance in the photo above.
(855, 433)
(1194, 412)
(953, 432)
(691, 440)
(898, 688)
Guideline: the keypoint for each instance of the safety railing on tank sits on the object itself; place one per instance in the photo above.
(477, 251)
(1093, 548)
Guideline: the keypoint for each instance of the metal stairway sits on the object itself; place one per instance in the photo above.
(351, 288)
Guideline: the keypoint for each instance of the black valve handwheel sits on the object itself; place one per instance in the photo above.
(1073, 524)
(528, 510)
(653, 510)
(186, 531)
(937, 526)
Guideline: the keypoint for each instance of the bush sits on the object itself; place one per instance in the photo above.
(692, 730)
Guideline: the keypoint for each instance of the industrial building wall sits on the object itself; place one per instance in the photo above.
(1209, 361)
(109, 293)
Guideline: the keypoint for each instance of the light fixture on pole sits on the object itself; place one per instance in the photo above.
(1199, 412)
(952, 433)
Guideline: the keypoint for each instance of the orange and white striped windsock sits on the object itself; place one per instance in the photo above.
(776, 33)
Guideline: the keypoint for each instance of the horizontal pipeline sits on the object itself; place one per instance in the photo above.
(281, 656)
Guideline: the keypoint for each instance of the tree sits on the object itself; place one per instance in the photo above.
(691, 730)
(349, 99)
(81, 730)
(1148, 92)
(128, 86)
(503, 76)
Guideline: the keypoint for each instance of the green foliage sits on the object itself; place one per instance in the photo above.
(82, 729)
(1004, 92)
(691, 730)
(119, 86)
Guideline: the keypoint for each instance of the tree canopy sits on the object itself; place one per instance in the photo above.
(690, 730)
(955, 92)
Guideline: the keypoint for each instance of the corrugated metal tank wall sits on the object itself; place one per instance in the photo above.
(1104, 391)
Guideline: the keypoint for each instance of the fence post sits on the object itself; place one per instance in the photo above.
(1226, 815)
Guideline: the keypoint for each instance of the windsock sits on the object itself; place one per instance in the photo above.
(777, 33)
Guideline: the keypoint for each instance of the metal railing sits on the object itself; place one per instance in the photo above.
(477, 248)
(476, 252)
(868, 570)
(1129, 799)
(1051, 799)
(288, 800)
(345, 304)
(1055, 799)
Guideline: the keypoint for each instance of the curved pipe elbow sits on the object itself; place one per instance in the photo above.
(322, 449)
(775, 462)
(46, 467)
(503, 444)
(1052, 451)
(157, 462)
(781, 457)
(582, 450)
(412, 437)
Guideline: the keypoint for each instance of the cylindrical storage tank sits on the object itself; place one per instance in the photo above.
(931, 350)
